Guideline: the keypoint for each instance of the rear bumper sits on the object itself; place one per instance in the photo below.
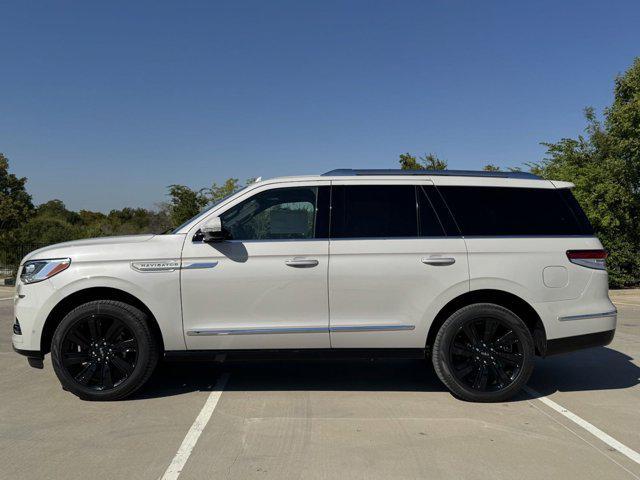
(570, 344)
(34, 357)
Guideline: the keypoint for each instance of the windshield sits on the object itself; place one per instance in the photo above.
(205, 209)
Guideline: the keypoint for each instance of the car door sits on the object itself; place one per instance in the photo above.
(391, 263)
(266, 286)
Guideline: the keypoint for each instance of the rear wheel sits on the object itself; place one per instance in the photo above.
(483, 353)
(103, 350)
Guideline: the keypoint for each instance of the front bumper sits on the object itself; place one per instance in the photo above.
(32, 305)
(34, 357)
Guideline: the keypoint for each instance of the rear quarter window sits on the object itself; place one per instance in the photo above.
(503, 211)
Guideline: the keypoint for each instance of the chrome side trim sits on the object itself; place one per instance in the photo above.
(371, 328)
(612, 313)
(286, 330)
(193, 266)
(255, 331)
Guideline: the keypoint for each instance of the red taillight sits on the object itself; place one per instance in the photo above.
(588, 258)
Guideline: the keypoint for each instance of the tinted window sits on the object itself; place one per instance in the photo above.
(429, 225)
(277, 214)
(365, 211)
(511, 211)
(573, 204)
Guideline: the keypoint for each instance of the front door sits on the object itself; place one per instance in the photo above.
(266, 286)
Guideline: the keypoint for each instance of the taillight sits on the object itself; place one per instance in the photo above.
(588, 258)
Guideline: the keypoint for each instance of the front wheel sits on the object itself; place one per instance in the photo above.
(103, 350)
(483, 353)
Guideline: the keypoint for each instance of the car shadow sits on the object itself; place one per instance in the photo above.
(594, 369)
(294, 375)
(586, 370)
(234, 251)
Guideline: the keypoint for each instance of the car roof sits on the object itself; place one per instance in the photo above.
(438, 177)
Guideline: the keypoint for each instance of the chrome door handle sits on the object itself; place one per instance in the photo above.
(438, 261)
(301, 262)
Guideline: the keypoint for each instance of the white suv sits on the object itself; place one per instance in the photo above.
(477, 271)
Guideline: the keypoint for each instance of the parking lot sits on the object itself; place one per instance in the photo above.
(339, 419)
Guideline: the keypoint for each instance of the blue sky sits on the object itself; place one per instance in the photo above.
(104, 104)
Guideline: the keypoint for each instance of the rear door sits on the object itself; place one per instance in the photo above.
(390, 260)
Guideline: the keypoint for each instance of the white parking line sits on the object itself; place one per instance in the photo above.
(592, 429)
(190, 440)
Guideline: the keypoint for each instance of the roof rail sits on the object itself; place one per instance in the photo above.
(348, 172)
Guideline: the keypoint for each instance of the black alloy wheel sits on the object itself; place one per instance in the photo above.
(99, 352)
(103, 350)
(486, 354)
(483, 353)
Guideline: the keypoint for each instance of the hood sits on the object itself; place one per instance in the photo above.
(68, 249)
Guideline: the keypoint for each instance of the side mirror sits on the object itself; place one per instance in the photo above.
(212, 231)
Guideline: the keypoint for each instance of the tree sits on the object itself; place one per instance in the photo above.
(15, 203)
(57, 209)
(428, 162)
(46, 230)
(491, 168)
(604, 164)
(218, 192)
(185, 203)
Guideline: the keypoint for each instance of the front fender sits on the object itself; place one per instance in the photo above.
(158, 291)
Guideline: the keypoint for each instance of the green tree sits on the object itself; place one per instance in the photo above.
(15, 203)
(491, 168)
(604, 164)
(428, 162)
(57, 209)
(185, 203)
(218, 192)
(46, 230)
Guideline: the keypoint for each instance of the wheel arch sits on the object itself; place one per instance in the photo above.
(508, 300)
(75, 299)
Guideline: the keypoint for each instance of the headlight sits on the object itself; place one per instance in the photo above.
(37, 270)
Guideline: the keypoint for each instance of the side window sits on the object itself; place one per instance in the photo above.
(581, 217)
(429, 223)
(499, 211)
(277, 214)
(369, 211)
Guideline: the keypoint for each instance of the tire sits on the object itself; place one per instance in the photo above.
(103, 350)
(483, 353)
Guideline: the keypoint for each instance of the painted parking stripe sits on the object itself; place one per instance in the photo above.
(592, 429)
(190, 440)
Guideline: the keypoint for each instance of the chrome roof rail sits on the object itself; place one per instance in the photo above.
(349, 172)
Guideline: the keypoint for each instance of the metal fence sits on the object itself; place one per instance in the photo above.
(11, 254)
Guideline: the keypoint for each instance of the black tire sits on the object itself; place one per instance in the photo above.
(483, 353)
(103, 350)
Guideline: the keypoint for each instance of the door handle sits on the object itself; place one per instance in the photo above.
(301, 262)
(438, 261)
